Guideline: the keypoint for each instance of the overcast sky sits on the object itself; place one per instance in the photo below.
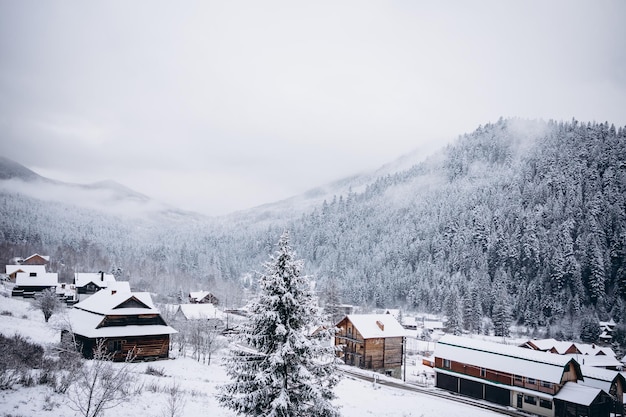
(221, 106)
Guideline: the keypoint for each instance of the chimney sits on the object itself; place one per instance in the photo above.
(101, 276)
(380, 325)
(113, 292)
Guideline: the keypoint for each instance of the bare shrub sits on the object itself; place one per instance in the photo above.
(100, 384)
(175, 401)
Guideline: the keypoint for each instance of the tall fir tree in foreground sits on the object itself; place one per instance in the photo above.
(282, 371)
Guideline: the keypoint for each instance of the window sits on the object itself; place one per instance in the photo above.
(531, 381)
(483, 372)
(529, 399)
(32, 274)
(446, 363)
(115, 345)
(546, 384)
(518, 378)
(545, 404)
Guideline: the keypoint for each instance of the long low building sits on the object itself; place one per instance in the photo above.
(537, 382)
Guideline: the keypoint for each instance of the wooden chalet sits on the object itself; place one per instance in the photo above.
(208, 312)
(536, 382)
(35, 259)
(31, 270)
(585, 354)
(126, 321)
(92, 282)
(372, 341)
(27, 284)
(203, 297)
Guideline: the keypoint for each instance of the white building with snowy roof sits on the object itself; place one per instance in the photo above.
(125, 321)
(537, 382)
(91, 282)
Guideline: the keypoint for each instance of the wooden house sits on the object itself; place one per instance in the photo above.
(126, 321)
(584, 353)
(208, 312)
(92, 282)
(27, 284)
(35, 259)
(372, 341)
(536, 382)
(13, 270)
(203, 297)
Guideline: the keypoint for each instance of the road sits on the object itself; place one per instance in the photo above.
(435, 392)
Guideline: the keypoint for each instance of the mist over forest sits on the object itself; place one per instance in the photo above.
(519, 221)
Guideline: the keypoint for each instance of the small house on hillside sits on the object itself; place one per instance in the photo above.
(372, 341)
(208, 312)
(536, 382)
(203, 297)
(13, 270)
(29, 283)
(126, 321)
(91, 282)
(35, 259)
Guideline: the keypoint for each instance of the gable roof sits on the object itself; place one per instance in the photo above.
(367, 325)
(101, 279)
(578, 394)
(47, 279)
(200, 311)
(39, 269)
(86, 324)
(87, 315)
(109, 301)
(599, 377)
(505, 358)
(36, 255)
(199, 295)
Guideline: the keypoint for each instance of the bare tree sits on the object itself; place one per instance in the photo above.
(47, 302)
(175, 401)
(205, 339)
(100, 384)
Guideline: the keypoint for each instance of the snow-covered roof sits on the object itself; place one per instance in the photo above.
(505, 358)
(99, 278)
(38, 269)
(47, 279)
(198, 295)
(108, 301)
(578, 394)
(200, 311)
(119, 286)
(600, 361)
(86, 324)
(367, 325)
(44, 257)
(598, 377)
(433, 325)
(560, 347)
(594, 350)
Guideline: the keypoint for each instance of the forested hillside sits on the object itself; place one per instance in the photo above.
(525, 219)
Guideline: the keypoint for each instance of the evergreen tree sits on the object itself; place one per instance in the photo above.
(454, 313)
(284, 371)
(590, 329)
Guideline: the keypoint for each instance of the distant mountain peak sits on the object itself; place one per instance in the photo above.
(10, 169)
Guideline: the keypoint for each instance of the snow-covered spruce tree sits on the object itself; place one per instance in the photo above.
(282, 371)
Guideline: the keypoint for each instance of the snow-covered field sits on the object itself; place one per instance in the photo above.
(356, 398)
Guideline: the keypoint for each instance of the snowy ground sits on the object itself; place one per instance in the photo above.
(356, 398)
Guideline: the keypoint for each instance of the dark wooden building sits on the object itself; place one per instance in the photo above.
(125, 321)
(372, 341)
(536, 382)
